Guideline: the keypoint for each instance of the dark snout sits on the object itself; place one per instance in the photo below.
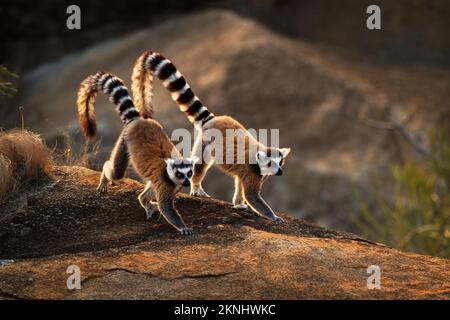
(279, 172)
(186, 183)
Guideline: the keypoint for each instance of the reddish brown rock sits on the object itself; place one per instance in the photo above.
(233, 255)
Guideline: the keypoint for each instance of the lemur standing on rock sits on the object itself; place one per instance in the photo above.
(144, 143)
(248, 177)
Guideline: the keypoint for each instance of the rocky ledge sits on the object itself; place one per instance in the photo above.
(233, 255)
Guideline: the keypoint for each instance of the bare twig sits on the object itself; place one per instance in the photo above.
(22, 117)
(396, 125)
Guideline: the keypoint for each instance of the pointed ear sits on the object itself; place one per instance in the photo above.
(261, 156)
(169, 162)
(285, 152)
(194, 159)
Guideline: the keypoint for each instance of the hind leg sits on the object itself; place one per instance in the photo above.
(151, 207)
(238, 198)
(115, 167)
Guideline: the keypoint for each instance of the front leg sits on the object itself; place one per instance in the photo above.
(168, 211)
(105, 178)
(256, 202)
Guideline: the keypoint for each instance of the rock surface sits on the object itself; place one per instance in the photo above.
(233, 255)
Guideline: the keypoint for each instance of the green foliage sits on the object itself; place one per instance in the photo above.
(416, 217)
(6, 87)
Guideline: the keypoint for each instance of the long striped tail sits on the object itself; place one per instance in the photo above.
(118, 94)
(153, 63)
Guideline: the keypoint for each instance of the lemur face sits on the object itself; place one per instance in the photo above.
(271, 161)
(180, 171)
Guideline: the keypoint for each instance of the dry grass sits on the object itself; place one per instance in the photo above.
(72, 153)
(24, 159)
(7, 182)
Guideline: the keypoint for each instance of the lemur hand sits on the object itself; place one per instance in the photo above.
(278, 220)
(186, 231)
(103, 187)
(199, 192)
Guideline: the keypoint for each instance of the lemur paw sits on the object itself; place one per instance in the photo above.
(103, 187)
(199, 192)
(278, 220)
(186, 231)
(241, 206)
(150, 212)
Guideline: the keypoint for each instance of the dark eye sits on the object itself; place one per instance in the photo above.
(179, 175)
(189, 174)
(281, 161)
(270, 164)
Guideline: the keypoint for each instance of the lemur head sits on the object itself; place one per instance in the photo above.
(271, 160)
(180, 171)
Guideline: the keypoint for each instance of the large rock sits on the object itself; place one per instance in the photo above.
(233, 255)
(265, 80)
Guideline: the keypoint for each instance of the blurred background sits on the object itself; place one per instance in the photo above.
(366, 113)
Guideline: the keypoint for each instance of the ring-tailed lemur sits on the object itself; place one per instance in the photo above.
(248, 177)
(144, 143)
